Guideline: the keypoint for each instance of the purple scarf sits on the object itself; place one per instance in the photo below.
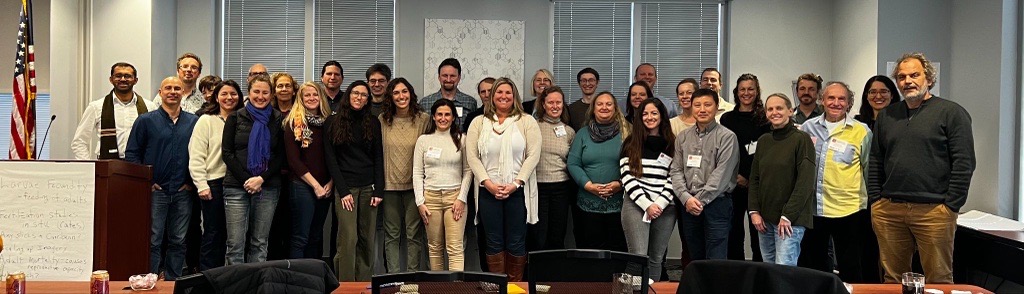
(259, 139)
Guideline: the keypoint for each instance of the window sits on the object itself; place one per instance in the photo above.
(267, 32)
(356, 33)
(42, 121)
(597, 35)
(680, 39)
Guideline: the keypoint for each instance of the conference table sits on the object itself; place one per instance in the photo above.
(361, 287)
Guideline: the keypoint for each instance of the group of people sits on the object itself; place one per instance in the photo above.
(821, 189)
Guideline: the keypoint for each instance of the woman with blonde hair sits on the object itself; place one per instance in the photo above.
(311, 186)
(542, 79)
(503, 150)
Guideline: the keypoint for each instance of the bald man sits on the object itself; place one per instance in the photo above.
(159, 138)
(257, 70)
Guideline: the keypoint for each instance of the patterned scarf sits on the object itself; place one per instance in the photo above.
(302, 131)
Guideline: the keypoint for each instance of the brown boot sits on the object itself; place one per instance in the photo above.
(496, 262)
(514, 266)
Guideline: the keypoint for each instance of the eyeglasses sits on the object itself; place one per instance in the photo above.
(377, 81)
(359, 94)
(256, 73)
(588, 81)
(123, 76)
(189, 67)
(879, 92)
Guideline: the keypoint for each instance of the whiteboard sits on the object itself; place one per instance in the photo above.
(46, 219)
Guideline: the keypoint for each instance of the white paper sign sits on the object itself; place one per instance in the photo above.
(46, 219)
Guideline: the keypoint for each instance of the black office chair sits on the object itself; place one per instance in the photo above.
(733, 277)
(588, 271)
(441, 282)
(279, 276)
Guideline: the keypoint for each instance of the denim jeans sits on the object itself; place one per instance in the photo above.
(242, 212)
(308, 216)
(504, 222)
(707, 234)
(170, 211)
(211, 253)
(779, 250)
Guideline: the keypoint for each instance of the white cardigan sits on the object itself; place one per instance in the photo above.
(528, 126)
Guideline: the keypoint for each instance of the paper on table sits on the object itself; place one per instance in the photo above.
(979, 220)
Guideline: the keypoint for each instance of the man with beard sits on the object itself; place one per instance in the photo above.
(449, 73)
(922, 160)
(109, 120)
(189, 68)
(710, 78)
(378, 76)
(331, 75)
(588, 79)
(808, 88)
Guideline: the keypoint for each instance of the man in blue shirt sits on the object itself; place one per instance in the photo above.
(160, 139)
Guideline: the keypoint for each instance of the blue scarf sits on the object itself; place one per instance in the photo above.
(259, 139)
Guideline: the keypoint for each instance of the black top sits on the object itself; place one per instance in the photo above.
(469, 118)
(360, 162)
(528, 106)
(923, 155)
(578, 114)
(870, 121)
(235, 148)
(746, 130)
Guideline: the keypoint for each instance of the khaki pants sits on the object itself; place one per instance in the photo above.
(903, 227)
(443, 231)
(356, 232)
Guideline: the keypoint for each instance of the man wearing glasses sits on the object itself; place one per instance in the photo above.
(587, 79)
(378, 76)
(108, 121)
(189, 68)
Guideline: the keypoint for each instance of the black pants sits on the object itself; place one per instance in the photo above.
(856, 247)
(279, 240)
(736, 232)
(214, 228)
(553, 208)
(194, 235)
(600, 231)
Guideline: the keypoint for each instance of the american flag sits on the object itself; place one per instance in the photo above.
(23, 114)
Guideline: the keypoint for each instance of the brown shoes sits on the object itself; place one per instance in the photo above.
(514, 266)
(496, 262)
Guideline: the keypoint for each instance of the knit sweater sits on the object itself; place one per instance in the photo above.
(356, 163)
(551, 168)
(924, 155)
(528, 127)
(654, 186)
(436, 165)
(399, 141)
(782, 177)
(307, 160)
(205, 162)
(590, 161)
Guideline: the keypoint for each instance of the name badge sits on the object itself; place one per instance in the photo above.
(693, 161)
(458, 110)
(664, 160)
(560, 131)
(751, 148)
(837, 145)
(112, 150)
(433, 152)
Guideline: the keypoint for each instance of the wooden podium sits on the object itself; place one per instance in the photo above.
(122, 220)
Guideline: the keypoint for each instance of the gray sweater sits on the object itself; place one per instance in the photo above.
(923, 155)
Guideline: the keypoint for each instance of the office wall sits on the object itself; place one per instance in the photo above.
(854, 44)
(982, 74)
(778, 40)
(915, 25)
(409, 23)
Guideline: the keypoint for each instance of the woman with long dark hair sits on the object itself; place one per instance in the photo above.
(553, 181)
(747, 120)
(355, 161)
(311, 187)
(402, 122)
(252, 152)
(206, 166)
(879, 92)
(504, 146)
(441, 179)
(638, 92)
(647, 219)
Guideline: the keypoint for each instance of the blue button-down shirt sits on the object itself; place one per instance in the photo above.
(158, 141)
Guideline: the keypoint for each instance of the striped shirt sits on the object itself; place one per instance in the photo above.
(841, 164)
(654, 186)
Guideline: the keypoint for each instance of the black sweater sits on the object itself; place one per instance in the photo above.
(924, 155)
(746, 130)
(235, 148)
(359, 162)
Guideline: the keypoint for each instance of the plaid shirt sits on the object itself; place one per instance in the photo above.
(465, 102)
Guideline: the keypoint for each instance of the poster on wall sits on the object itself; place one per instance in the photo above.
(485, 48)
(46, 219)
